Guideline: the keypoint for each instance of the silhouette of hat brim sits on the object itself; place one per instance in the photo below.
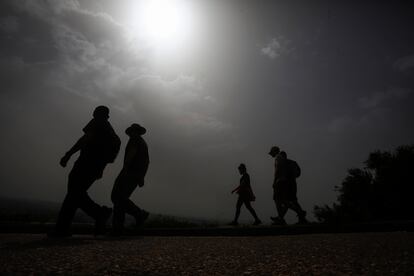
(135, 129)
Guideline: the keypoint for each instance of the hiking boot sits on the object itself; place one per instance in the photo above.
(278, 221)
(100, 223)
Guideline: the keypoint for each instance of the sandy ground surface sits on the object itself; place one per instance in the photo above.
(316, 254)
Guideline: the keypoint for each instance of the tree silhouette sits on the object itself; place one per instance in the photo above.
(380, 191)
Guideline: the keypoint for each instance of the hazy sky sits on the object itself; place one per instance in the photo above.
(215, 83)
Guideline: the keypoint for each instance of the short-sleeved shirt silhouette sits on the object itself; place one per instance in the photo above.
(136, 157)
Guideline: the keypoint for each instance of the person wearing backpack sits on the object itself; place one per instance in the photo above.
(293, 173)
(98, 146)
(285, 187)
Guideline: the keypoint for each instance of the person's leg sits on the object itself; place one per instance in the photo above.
(281, 211)
(85, 177)
(100, 213)
(252, 211)
(283, 196)
(66, 214)
(70, 203)
(278, 194)
(281, 208)
(90, 207)
(278, 197)
(81, 179)
(130, 208)
(238, 207)
(119, 212)
(128, 186)
(118, 219)
(301, 213)
(295, 206)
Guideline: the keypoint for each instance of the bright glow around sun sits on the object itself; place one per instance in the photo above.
(162, 22)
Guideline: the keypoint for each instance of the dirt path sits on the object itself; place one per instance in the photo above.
(319, 254)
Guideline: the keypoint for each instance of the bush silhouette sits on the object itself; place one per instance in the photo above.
(380, 191)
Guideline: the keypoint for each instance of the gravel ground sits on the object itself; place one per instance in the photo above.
(318, 254)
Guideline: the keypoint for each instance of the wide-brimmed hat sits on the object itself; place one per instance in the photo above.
(274, 149)
(135, 129)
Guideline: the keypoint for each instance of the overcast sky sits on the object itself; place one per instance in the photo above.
(217, 85)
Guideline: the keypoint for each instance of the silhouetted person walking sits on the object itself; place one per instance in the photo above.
(245, 196)
(98, 146)
(285, 187)
(135, 167)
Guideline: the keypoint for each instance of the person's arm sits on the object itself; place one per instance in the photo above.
(78, 146)
(145, 162)
(235, 190)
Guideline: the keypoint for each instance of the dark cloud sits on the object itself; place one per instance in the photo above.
(376, 99)
(9, 24)
(405, 64)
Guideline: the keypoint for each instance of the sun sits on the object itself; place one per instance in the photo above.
(162, 22)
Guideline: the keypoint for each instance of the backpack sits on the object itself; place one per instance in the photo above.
(294, 169)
